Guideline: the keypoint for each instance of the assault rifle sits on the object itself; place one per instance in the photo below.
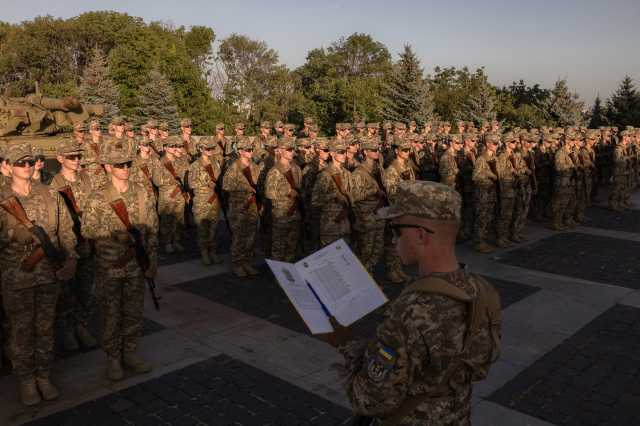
(70, 201)
(120, 209)
(254, 197)
(45, 247)
(181, 186)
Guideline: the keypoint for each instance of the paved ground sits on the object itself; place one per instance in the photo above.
(230, 351)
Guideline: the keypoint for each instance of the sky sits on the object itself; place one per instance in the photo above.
(593, 44)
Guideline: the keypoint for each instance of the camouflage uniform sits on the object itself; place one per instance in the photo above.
(620, 177)
(449, 172)
(30, 297)
(506, 176)
(142, 172)
(484, 196)
(467, 162)
(544, 168)
(429, 166)
(120, 285)
(206, 204)
(312, 216)
(368, 195)
(171, 201)
(564, 189)
(523, 192)
(398, 171)
(243, 210)
(90, 163)
(268, 161)
(330, 201)
(421, 333)
(77, 296)
(285, 196)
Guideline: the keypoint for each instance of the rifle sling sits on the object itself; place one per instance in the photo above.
(209, 169)
(119, 207)
(180, 186)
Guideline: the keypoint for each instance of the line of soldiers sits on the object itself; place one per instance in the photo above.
(294, 190)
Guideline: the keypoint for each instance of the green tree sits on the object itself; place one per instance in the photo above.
(450, 88)
(96, 86)
(598, 117)
(480, 103)
(158, 101)
(406, 94)
(563, 107)
(623, 108)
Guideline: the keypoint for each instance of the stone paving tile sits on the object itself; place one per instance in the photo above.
(590, 257)
(262, 297)
(217, 391)
(149, 327)
(592, 378)
(602, 217)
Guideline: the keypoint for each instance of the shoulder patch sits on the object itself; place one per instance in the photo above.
(380, 364)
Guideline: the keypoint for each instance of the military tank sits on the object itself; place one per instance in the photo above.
(42, 121)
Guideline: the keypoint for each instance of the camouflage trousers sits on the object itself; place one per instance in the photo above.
(563, 203)
(484, 201)
(206, 216)
(581, 199)
(619, 191)
(266, 230)
(172, 224)
(76, 303)
(334, 226)
(122, 301)
(521, 208)
(31, 316)
(589, 184)
(244, 227)
(370, 240)
(505, 215)
(541, 202)
(311, 240)
(286, 233)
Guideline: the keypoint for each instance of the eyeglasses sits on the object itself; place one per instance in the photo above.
(73, 157)
(174, 146)
(324, 150)
(291, 149)
(24, 163)
(397, 227)
(247, 149)
(341, 151)
(405, 149)
(126, 164)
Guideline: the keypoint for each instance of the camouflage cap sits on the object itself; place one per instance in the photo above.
(239, 125)
(314, 128)
(68, 147)
(424, 199)
(220, 126)
(457, 138)
(627, 133)
(321, 143)
(399, 125)
(470, 136)
(431, 136)
(289, 126)
(208, 142)
(185, 122)
(303, 142)
(244, 142)
(286, 142)
(592, 134)
(401, 143)
(116, 153)
(387, 125)
(129, 126)
(308, 120)
(370, 144)
(172, 141)
(373, 125)
(337, 144)
(445, 124)
(152, 124)
(272, 142)
(360, 125)
(118, 121)
(278, 124)
(265, 124)
(343, 126)
(19, 151)
(570, 134)
(509, 137)
(492, 138)
(164, 126)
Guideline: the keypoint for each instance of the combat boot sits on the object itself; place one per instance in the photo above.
(215, 258)
(70, 341)
(114, 369)
(169, 249)
(483, 247)
(204, 254)
(48, 391)
(555, 226)
(178, 247)
(29, 394)
(250, 270)
(503, 243)
(134, 363)
(239, 271)
(570, 224)
(87, 341)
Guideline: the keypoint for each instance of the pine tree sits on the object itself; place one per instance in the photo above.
(480, 104)
(406, 95)
(623, 108)
(598, 117)
(97, 87)
(563, 107)
(157, 101)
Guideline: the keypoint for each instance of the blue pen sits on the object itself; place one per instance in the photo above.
(324, 308)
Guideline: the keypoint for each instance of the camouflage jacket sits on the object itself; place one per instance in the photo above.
(328, 199)
(204, 188)
(142, 171)
(520, 168)
(484, 171)
(168, 188)
(619, 160)
(506, 173)
(466, 163)
(242, 196)
(564, 165)
(396, 172)
(113, 243)
(44, 207)
(81, 189)
(449, 168)
(309, 175)
(409, 356)
(284, 197)
(366, 192)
